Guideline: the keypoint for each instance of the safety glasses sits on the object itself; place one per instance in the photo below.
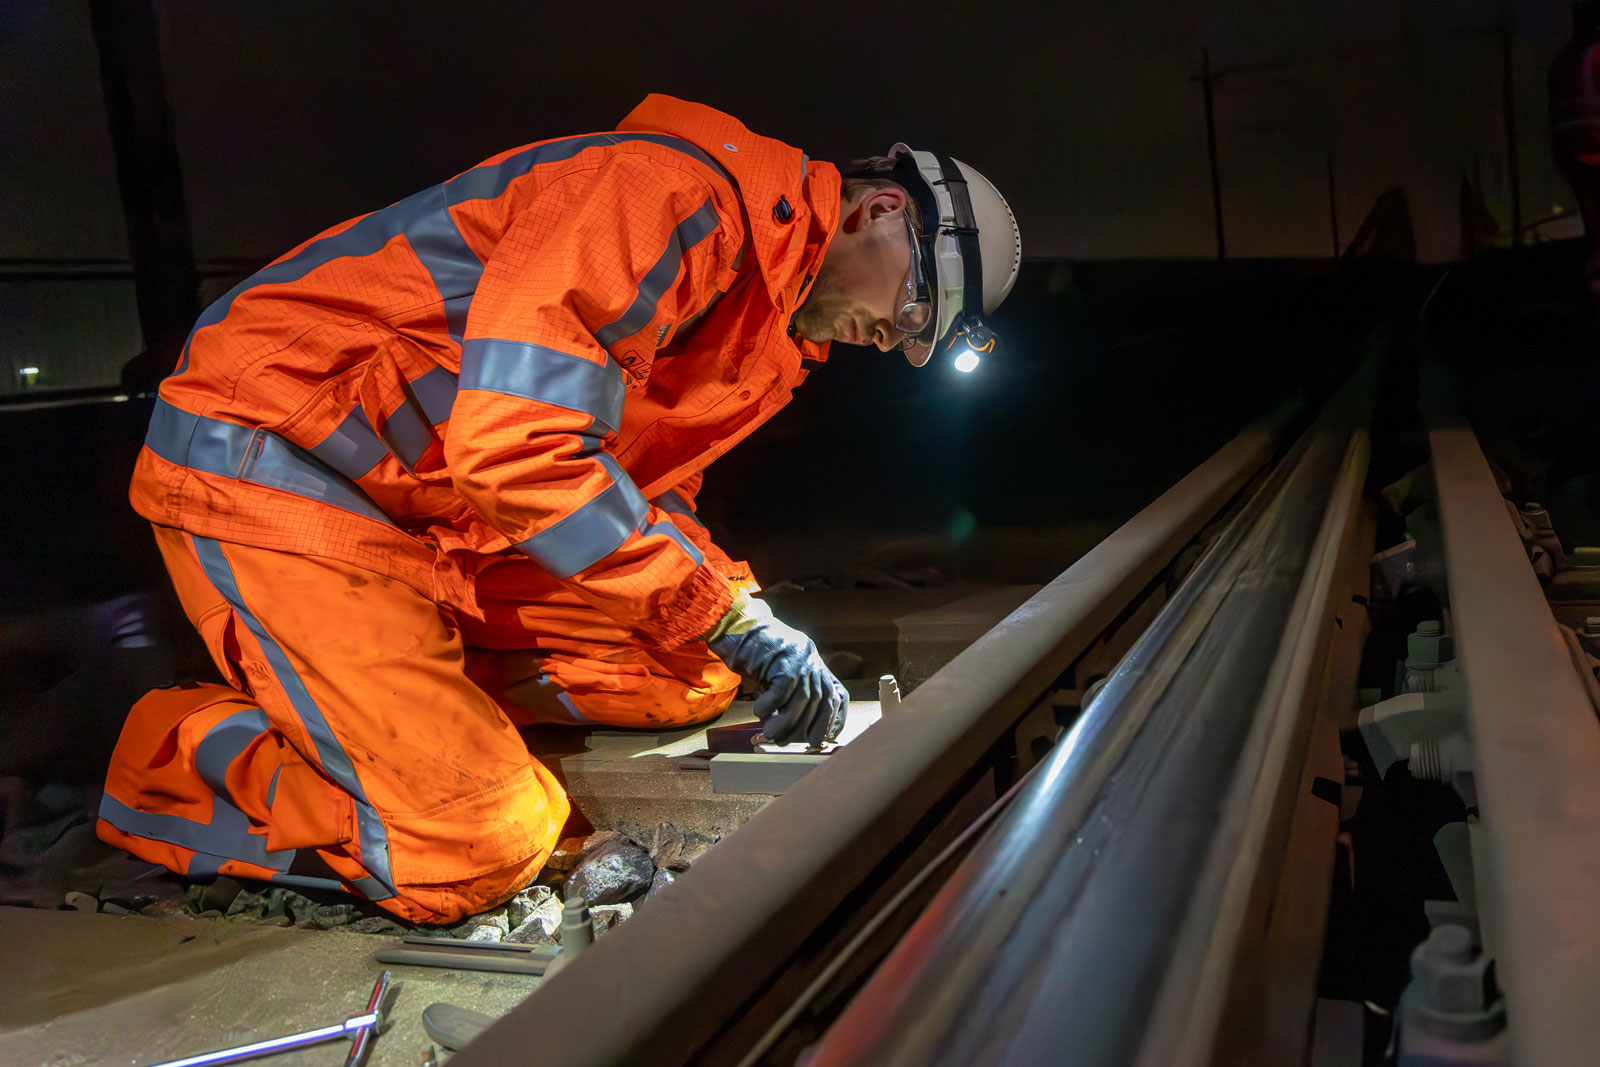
(915, 317)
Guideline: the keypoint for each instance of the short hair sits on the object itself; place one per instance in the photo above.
(874, 172)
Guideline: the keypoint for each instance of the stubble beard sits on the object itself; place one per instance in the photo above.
(817, 318)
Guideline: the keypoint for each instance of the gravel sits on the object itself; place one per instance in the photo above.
(82, 902)
(535, 914)
(607, 916)
(616, 872)
(569, 850)
(605, 869)
(664, 877)
(676, 849)
(326, 916)
(472, 928)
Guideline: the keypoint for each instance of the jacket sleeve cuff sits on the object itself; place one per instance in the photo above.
(736, 573)
(690, 613)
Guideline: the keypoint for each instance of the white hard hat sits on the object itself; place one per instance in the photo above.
(969, 244)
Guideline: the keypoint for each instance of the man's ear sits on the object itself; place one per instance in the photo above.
(852, 218)
(883, 202)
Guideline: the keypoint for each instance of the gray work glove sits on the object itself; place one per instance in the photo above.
(800, 698)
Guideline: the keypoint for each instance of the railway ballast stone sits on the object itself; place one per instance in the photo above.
(217, 895)
(166, 909)
(569, 850)
(278, 901)
(675, 848)
(249, 905)
(534, 932)
(608, 915)
(326, 916)
(617, 871)
(535, 909)
(82, 902)
(664, 877)
(471, 929)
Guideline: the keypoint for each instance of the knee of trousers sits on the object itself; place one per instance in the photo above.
(451, 902)
(477, 841)
(662, 702)
(474, 853)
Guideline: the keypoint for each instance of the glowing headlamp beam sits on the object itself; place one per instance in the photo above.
(967, 361)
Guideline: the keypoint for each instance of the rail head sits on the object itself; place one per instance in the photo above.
(663, 985)
(1104, 876)
(1537, 772)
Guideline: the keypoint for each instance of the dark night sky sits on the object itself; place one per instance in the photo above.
(293, 115)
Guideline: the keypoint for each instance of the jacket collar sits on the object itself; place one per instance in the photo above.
(773, 180)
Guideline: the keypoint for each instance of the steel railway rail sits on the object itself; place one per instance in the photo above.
(1535, 764)
(1108, 911)
(1004, 871)
(706, 971)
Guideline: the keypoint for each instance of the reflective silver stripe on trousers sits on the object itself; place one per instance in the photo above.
(220, 847)
(227, 835)
(534, 372)
(251, 454)
(226, 742)
(335, 762)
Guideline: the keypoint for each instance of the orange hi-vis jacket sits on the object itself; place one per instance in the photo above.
(541, 353)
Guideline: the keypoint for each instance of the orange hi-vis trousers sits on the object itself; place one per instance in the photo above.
(368, 739)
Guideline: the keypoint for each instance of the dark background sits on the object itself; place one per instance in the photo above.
(291, 115)
(1129, 351)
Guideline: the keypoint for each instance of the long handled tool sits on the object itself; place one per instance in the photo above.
(471, 955)
(361, 1029)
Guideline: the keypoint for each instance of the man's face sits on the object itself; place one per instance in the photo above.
(861, 284)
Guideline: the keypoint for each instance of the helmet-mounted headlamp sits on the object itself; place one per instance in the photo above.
(950, 257)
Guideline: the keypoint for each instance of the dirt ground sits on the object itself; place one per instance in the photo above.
(132, 990)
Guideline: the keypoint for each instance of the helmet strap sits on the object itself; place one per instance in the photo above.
(965, 231)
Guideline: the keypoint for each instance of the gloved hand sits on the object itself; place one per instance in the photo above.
(800, 697)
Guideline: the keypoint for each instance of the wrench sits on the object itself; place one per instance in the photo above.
(361, 1029)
